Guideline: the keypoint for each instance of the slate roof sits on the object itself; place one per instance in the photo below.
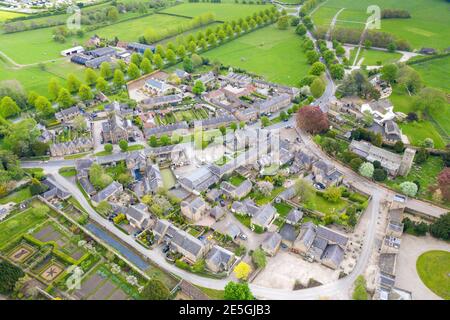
(333, 253)
(100, 52)
(140, 47)
(96, 62)
(265, 105)
(107, 192)
(216, 121)
(194, 205)
(294, 216)
(271, 241)
(288, 232)
(264, 215)
(156, 101)
(219, 257)
(387, 263)
(138, 214)
(67, 112)
(332, 236)
(200, 179)
(166, 129)
(233, 230)
(217, 212)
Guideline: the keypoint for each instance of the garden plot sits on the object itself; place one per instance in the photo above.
(22, 253)
(50, 233)
(102, 285)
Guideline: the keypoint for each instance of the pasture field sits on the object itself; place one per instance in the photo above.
(5, 15)
(37, 45)
(435, 73)
(221, 11)
(262, 51)
(418, 131)
(35, 78)
(427, 27)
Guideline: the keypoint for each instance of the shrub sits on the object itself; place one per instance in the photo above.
(409, 188)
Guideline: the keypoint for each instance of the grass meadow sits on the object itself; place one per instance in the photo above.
(427, 27)
(272, 53)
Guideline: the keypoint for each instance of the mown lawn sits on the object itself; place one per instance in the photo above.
(282, 208)
(319, 203)
(236, 180)
(272, 53)
(17, 196)
(18, 224)
(376, 57)
(433, 268)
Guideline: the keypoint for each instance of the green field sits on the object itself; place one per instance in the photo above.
(37, 45)
(34, 78)
(262, 51)
(420, 130)
(435, 73)
(427, 27)
(221, 11)
(5, 15)
(375, 57)
(433, 268)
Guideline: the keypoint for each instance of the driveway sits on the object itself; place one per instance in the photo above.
(407, 277)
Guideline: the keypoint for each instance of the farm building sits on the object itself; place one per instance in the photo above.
(101, 52)
(71, 51)
(96, 62)
(140, 47)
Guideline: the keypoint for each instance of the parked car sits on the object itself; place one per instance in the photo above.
(319, 186)
(243, 236)
(165, 248)
(222, 203)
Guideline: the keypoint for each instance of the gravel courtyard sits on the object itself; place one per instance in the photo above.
(285, 268)
(407, 277)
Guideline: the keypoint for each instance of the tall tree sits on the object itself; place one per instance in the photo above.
(8, 107)
(105, 70)
(64, 98)
(85, 93)
(53, 88)
(44, 106)
(119, 79)
(237, 291)
(73, 84)
(312, 119)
